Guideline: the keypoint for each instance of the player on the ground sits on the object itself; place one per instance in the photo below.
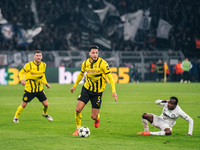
(32, 76)
(97, 69)
(171, 111)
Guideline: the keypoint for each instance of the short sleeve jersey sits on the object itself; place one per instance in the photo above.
(96, 74)
(34, 76)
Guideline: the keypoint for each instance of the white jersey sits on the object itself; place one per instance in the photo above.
(170, 116)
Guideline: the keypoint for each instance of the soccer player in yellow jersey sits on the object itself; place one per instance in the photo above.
(32, 76)
(97, 69)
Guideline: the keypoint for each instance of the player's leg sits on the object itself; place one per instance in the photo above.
(18, 112)
(43, 99)
(96, 100)
(96, 117)
(81, 102)
(167, 131)
(27, 97)
(158, 122)
(78, 115)
(145, 118)
(45, 107)
(45, 110)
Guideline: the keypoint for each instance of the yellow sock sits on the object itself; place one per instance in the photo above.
(45, 109)
(78, 117)
(98, 117)
(18, 112)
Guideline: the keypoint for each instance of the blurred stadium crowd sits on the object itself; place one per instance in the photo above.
(74, 24)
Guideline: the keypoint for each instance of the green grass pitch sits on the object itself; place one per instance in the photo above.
(120, 121)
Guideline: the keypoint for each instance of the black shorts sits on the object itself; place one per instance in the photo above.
(29, 96)
(95, 98)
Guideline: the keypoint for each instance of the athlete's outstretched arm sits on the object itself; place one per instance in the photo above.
(189, 119)
(79, 78)
(112, 83)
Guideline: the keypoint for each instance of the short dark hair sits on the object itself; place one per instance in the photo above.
(37, 51)
(174, 98)
(94, 47)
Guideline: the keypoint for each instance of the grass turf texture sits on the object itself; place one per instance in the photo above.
(120, 121)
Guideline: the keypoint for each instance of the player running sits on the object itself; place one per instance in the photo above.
(171, 111)
(32, 76)
(97, 69)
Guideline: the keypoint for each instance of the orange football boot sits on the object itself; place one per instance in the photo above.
(96, 123)
(76, 132)
(144, 133)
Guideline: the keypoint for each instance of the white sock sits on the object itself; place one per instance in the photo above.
(145, 124)
(158, 133)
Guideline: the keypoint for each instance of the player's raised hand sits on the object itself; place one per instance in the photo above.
(114, 95)
(72, 89)
(23, 82)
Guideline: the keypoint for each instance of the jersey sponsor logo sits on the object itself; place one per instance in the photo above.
(36, 73)
(169, 115)
(165, 114)
(93, 71)
(173, 116)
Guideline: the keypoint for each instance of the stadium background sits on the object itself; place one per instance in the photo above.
(63, 30)
(129, 33)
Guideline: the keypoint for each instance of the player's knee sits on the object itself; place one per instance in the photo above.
(78, 110)
(145, 116)
(168, 132)
(45, 103)
(23, 104)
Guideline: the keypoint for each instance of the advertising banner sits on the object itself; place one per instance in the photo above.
(62, 75)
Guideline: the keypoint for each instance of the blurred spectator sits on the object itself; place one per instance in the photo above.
(179, 70)
(194, 71)
(60, 18)
(71, 65)
(152, 71)
(186, 66)
(160, 71)
(135, 77)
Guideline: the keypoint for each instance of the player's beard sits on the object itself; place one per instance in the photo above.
(94, 60)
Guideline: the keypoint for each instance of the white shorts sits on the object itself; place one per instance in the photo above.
(158, 122)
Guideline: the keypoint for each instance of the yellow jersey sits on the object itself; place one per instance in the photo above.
(34, 76)
(96, 75)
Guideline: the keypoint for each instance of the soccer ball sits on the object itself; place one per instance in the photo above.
(84, 131)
